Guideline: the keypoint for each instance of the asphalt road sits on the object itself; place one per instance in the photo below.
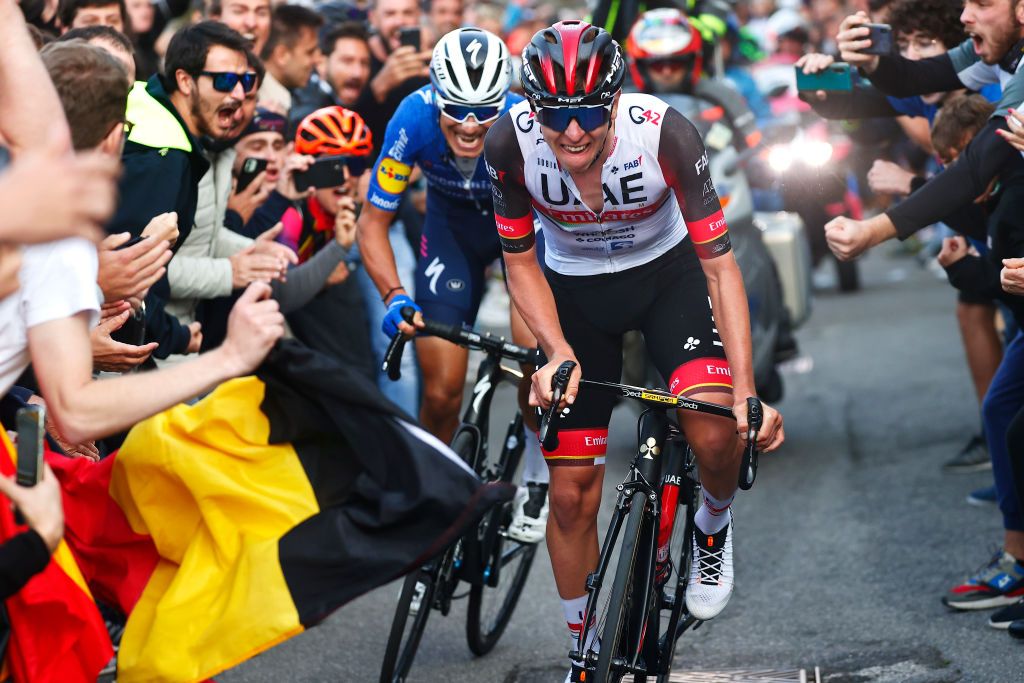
(843, 548)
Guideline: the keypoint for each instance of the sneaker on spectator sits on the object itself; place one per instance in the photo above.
(711, 575)
(983, 496)
(529, 513)
(973, 457)
(1016, 629)
(1007, 615)
(1000, 582)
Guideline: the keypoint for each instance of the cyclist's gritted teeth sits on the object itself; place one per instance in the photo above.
(469, 143)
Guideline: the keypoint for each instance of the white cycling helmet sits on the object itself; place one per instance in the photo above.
(471, 66)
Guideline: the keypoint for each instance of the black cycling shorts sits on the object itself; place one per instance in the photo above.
(667, 300)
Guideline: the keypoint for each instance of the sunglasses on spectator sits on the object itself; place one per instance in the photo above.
(665, 64)
(589, 118)
(460, 113)
(356, 165)
(225, 81)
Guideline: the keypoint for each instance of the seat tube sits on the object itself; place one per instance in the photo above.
(670, 489)
(652, 446)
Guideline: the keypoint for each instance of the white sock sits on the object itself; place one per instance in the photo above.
(574, 618)
(534, 467)
(713, 514)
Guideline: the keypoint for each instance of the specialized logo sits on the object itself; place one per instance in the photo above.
(691, 343)
(701, 164)
(649, 448)
(433, 272)
(640, 115)
(393, 176)
(456, 285)
(474, 49)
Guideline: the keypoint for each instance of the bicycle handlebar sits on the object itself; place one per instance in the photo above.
(457, 335)
(548, 433)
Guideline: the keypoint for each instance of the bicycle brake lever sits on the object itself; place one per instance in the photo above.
(392, 364)
(548, 433)
(748, 466)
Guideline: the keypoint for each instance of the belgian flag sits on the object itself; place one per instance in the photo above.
(226, 527)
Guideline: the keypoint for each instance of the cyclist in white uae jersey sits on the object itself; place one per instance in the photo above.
(635, 239)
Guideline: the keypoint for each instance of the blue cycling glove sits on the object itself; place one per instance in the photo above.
(394, 315)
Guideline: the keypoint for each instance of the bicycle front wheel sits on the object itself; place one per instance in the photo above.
(492, 602)
(624, 594)
(410, 620)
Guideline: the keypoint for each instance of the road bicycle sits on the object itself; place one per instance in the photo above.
(642, 619)
(495, 566)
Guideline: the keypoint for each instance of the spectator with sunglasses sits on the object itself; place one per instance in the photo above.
(206, 76)
(441, 129)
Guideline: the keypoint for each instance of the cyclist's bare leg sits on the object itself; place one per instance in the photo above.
(444, 380)
(575, 496)
(715, 443)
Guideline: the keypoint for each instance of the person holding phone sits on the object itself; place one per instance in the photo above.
(440, 128)
(28, 553)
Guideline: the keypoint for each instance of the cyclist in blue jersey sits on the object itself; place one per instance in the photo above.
(440, 128)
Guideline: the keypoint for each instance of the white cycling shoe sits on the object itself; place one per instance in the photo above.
(711, 574)
(529, 513)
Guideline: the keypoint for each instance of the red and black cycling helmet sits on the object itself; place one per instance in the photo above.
(572, 64)
(664, 40)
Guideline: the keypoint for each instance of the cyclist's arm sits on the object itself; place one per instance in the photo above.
(388, 181)
(684, 162)
(513, 215)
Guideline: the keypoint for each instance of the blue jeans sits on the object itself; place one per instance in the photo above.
(1004, 399)
(405, 393)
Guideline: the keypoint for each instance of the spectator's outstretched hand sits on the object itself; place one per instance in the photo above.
(295, 163)
(40, 505)
(49, 194)
(953, 249)
(254, 326)
(1014, 136)
(1011, 277)
(852, 38)
(885, 177)
(267, 245)
(251, 197)
(401, 65)
(130, 272)
(111, 355)
(163, 226)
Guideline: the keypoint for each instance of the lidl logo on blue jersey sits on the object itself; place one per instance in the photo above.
(393, 176)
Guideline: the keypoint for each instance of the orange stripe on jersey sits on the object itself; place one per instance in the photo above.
(514, 228)
(701, 374)
(707, 229)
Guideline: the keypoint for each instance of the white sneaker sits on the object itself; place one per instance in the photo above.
(711, 576)
(529, 513)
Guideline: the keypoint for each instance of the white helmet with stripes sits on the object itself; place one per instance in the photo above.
(471, 66)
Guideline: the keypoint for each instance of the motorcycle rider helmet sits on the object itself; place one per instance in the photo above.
(471, 73)
(334, 131)
(572, 64)
(665, 52)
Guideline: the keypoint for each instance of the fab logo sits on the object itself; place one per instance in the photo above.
(392, 176)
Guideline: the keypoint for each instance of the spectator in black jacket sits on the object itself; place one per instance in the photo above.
(201, 93)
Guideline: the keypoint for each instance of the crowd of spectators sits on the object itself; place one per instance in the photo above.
(136, 243)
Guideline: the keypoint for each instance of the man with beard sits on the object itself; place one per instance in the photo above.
(206, 77)
(343, 75)
(290, 54)
(991, 54)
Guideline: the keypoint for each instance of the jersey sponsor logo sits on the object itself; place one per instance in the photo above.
(433, 271)
(701, 164)
(641, 115)
(547, 163)
(708, 229)
(586, 216)
(514, 228)
(524, 121)
(624, 244)
(631, 191)
(384, 204)
(494, 173)
(397, 150)
(393, 176)
(709, 188)
(700, 374)
(630, 165)
(456, 285)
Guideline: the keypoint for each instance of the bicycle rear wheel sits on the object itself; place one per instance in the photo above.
(492, 602)
(407, 627)
(623, 595)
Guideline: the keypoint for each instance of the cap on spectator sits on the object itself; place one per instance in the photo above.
(265, 121)
(334, 131)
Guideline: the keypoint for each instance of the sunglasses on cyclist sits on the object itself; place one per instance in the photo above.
(225, 81)
(460, 113)
(589, 118)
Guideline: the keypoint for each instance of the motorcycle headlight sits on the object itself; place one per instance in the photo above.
(780, 158)
(816, 153)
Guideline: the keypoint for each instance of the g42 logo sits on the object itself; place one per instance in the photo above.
(639, 115)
